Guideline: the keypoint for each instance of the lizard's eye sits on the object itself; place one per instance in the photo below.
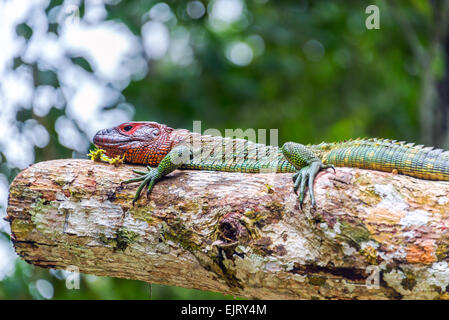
(127, 128)
(155, 132)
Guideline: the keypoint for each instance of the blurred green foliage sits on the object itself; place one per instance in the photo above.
(363, 86)
(317, 74)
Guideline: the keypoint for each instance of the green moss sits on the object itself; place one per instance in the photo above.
(251, 226)
(362, 179)
(78, 193)
(179, 234)
(369, 194)
(142, 213)
(409, 282)
(442, 251)
(37, 211)
(316, 280)
(124, 238)
(211, 261)
(105, 240)
(355, 234)
(276, 208)
(23, 191)
(254, 216)
(39, 206)
(21, 228)
(258, 218)
(189, 206)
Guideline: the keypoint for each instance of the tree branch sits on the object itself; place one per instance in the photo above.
(239, 234)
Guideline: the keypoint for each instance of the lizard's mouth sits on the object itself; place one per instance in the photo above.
(104, 137)
(112, 142)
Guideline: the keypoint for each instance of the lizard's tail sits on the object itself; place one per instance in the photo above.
(391, 156)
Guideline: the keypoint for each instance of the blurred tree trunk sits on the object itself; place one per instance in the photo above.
(434, 99)
(443, 94)
(434, 91)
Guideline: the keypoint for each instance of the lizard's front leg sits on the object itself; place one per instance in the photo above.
(173, 160)
(307, 164)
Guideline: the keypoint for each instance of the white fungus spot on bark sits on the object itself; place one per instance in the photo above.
(415, 218)
(390, 197)
(347, 250)
(439, 275)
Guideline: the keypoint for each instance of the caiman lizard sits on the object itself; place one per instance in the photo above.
(163, 149)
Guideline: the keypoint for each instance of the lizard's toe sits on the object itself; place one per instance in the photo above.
(305, 179)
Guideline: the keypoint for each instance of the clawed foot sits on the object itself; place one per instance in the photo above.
(148, 179)
(305, 175)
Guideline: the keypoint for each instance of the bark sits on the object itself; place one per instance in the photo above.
(374, 235)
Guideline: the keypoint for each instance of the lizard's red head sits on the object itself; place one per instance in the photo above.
(139, 142)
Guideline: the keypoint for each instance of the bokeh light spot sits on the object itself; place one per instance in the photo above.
(313, 50)
(240, 53)
(195, 9)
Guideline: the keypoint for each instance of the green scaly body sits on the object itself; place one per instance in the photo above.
(375, 154)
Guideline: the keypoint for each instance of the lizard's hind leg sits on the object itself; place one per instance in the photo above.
(307, 164)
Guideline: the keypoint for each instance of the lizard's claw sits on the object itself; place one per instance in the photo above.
(148, 179)
(139, 172)
(327, 166)
(307, 175)
(295, 176)
(142, 172)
